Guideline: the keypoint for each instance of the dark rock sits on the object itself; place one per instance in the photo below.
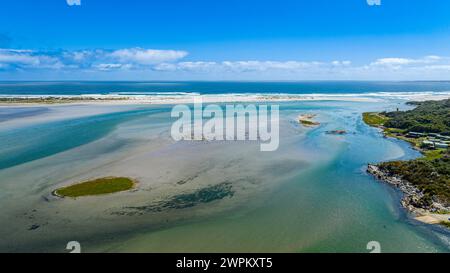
(33, 227)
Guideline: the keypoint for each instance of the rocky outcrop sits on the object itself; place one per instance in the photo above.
(413, 197)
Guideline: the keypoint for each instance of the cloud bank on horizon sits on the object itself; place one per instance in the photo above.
(225, 40)
(170, 64)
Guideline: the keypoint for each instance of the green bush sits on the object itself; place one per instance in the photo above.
(427, 117)
(97, 187)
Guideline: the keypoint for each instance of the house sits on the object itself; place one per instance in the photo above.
(441, 145)
(415, 135)
(428, 143)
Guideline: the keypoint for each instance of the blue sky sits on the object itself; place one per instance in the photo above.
(225, 40)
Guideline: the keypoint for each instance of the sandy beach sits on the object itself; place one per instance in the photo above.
(185, 99)
(163, 99)
(432, 218)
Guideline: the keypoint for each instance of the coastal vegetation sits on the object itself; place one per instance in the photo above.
(308, 123)
(445, 224)
(431, 175)
(427, 117)
(374, 119)
(427, 128)
(97, 186)
(307, 120)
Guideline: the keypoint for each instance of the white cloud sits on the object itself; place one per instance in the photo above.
(146, 56)
(436, 67)
(167, 64)
(80, 56)
(108, 67)
(406, 61)
(242, 66)
(341, 63)
(384, 68)
(433, 58)
(27, 59)
(392, 61)
(238, 66)
(17, 57)
(186, 66)
(88, 59)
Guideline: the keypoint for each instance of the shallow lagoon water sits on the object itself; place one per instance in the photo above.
(311, 195)
(332, 207)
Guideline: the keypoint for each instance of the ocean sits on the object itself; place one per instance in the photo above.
(305, 87)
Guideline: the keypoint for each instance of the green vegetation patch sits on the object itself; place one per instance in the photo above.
(434, 154)
(96, 187)
(445, 224)
(308, 122)
(427, 117)
(430, 174)
(374, 119)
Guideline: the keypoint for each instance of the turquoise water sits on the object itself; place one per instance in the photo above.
(332, 207)
(318, 197)
(37, 141)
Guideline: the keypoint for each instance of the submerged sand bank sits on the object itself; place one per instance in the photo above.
(184, 188)
(179, 181)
